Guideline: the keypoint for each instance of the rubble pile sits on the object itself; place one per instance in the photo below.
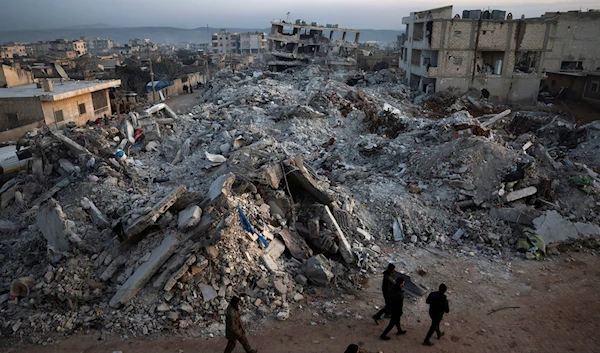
(275, 184)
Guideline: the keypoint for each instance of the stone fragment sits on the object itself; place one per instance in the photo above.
(162, 307)
(52, 223)
(189, 217)
(298, 297)
(98, 218)
(283, 315)
(458, 234)
(275, 249)
(364, 234)
(173, 316)
(270, 264)
(300, 279)
(318, 270)
(519, 194)
(208, 292)
(186, 308)
(280, 288)
(221, 185)
(112, 268)
(143, 273)
(295, 244)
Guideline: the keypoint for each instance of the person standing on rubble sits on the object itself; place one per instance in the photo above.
(396, 303)
(388, 281)
(438, 305)
(233, 328)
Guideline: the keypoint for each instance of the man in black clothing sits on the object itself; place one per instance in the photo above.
(438, 305)
(395, 299)
(388, 281)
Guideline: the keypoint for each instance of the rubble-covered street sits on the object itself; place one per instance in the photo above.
(291, 189)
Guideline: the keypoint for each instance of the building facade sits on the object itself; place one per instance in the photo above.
(53, 104)
(100, 45)
(12, 51)
(296, 44)
(252, 43)
(485, 51)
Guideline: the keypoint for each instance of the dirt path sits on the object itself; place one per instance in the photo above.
(184, 103)
(558, 311)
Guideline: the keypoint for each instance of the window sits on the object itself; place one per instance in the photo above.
(13, 120)
(571, 66)
(595, 87)
(99, 101)
(457, 33)
(58, 116)
(82, 109)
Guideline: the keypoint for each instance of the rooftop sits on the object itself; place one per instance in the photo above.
(318, 27)
(64, 90)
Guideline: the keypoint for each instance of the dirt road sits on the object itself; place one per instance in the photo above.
(557, 311)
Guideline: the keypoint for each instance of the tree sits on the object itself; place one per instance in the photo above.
(166, 70)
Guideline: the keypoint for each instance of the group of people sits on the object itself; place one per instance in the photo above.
(187, 89)
(394, 303)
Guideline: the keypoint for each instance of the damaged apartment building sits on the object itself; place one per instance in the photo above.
(299, 43)
(504, 58)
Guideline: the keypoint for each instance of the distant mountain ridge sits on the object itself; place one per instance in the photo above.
(169, 35)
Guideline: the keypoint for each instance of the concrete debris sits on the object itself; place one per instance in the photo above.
(189, 217)
(317, 270)
(319, 162)
(52, 223)
(519, 194)
(143, 273)
(143, 222)
(554, 228)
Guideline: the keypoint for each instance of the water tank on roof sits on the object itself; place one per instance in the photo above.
(298, 21)
(498, 15)
(472, 14)
(486, 15)
(314, 24)
(466, 13)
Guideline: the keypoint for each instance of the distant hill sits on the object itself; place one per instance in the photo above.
(155, 34)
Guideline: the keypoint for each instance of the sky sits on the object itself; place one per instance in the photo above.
(359, 14)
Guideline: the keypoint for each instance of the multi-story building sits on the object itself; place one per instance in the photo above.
(13, 50)
(100, 45)
(572, 62)
(487, 51)
(252, 43)
(224, 43)
(296, 44)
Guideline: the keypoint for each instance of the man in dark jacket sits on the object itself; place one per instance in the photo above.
(388, 281)
(233, 327)
(438, 305)
(395, 299)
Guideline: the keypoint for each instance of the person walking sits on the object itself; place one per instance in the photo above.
(438, 305)
(388, 281)
(233, 328)
(395, 299)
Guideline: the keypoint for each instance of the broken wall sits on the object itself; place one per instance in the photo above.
(574, 37)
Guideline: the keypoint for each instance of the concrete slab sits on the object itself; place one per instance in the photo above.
(157, 210)
(554, 228)
(522, 193)
(221, 185)
(52, 223)
(142, 275)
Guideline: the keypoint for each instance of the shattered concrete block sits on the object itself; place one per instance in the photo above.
(275, 249)
(208, 292)
(189, 217)
(98, 218)
(364, 234)
(458, 234)
(522, 193)
(270, 264)
(143, 273)
(317, 270)
(112, 268)
(344, 245)
(280, 288)
(157, 210)
(398, 229)
(52, 223)
(511, 215)
(295, 244)
(554, 228)
(179, 273)
(221, 185)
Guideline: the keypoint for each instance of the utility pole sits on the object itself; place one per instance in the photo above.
(151, 75)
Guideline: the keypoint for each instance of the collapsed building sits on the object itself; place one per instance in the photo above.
(276, 184)
(297, 44)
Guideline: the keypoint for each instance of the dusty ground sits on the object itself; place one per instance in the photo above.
(557, 311)
(183, 103)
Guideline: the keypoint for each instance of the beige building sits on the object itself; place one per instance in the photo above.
(11, 51)
(52, 104)
(486, 51)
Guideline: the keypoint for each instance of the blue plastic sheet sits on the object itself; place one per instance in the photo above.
(248, 227)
